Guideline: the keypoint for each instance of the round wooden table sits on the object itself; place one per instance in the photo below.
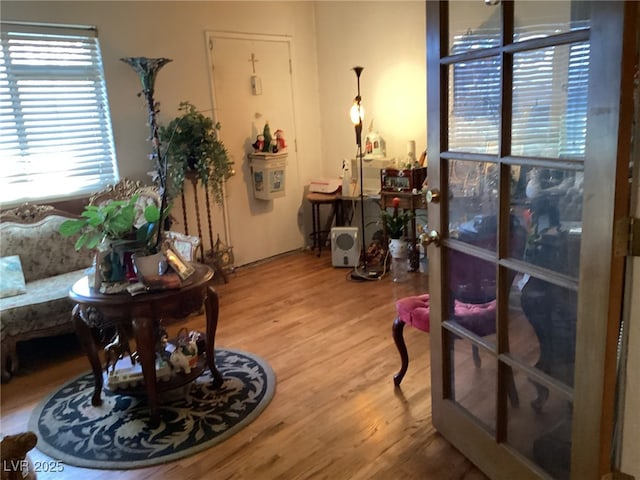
(143, 313)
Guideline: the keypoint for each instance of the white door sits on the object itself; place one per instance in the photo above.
(257, 228)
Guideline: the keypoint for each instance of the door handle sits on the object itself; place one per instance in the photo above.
(433, 196)
(432, 237)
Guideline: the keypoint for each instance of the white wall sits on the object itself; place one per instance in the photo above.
(176, 30)
(388, 39)
(329, 38)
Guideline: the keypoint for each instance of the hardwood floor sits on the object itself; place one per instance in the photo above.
(335, 414)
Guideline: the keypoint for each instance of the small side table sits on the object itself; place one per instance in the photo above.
(317, 199)
(143, 313)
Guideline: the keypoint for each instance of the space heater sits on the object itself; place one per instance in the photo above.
(345, 247)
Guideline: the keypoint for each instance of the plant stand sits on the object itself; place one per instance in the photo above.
(209, 257)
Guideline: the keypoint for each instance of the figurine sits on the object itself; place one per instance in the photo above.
(116, 349)
(185, 356)
(258, 145)
(281, 144)
(180, 361)
(199, 340)
(162, 343)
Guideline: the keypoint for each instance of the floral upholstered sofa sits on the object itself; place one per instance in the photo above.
(50, 265)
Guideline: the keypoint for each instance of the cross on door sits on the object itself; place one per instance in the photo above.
(253, 61)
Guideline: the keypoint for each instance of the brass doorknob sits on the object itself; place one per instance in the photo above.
(432, 237)
(432, 196)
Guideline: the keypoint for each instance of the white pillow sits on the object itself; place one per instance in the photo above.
(11, 277)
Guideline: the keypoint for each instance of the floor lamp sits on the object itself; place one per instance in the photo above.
(357, 114)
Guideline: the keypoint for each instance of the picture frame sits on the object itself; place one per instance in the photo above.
(185, 245)
(182, 267)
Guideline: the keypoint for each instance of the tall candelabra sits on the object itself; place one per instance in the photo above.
(147, 69)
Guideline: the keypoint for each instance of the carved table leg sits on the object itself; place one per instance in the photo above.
(211, 306)
(86, 340)
(143, 328)
(397, 330)
(9, 358)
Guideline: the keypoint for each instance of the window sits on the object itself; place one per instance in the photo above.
(55, 127)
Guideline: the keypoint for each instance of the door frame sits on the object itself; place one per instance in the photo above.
(601, 281)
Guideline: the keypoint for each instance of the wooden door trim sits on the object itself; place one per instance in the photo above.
(506, 463)
(436, 73)
(600, 300)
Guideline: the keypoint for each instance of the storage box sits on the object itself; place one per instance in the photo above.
(268, 174)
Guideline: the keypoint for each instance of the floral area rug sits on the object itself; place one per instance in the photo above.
(116, 435)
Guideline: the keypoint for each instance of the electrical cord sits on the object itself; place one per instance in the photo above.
(357, 275)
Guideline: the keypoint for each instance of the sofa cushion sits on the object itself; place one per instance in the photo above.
(43, 250)
(46, 304)
(11, 277)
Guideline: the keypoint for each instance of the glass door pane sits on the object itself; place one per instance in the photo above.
(484, 32)
(559, 16)
(474, 106)
(550, 92)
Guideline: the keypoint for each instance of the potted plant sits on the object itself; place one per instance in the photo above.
(116, 230)
(395, 225)
(193, 146)
(119, 227)
(116, 220)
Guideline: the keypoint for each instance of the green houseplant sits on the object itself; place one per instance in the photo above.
(395, 223)
(116, 221)
(116, 230)
(193, 146)
(396, 227)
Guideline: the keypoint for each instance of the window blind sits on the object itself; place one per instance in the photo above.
(56, 139)
(543, 79)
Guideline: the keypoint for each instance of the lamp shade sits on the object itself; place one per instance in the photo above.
(356, 112)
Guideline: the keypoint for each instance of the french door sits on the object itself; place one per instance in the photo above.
(529, 108)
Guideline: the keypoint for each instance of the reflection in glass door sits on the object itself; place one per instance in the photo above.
(549, 88)
(511, 84)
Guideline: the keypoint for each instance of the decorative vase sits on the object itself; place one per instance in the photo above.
(399, 259)
(114, 260)
(149, 266)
